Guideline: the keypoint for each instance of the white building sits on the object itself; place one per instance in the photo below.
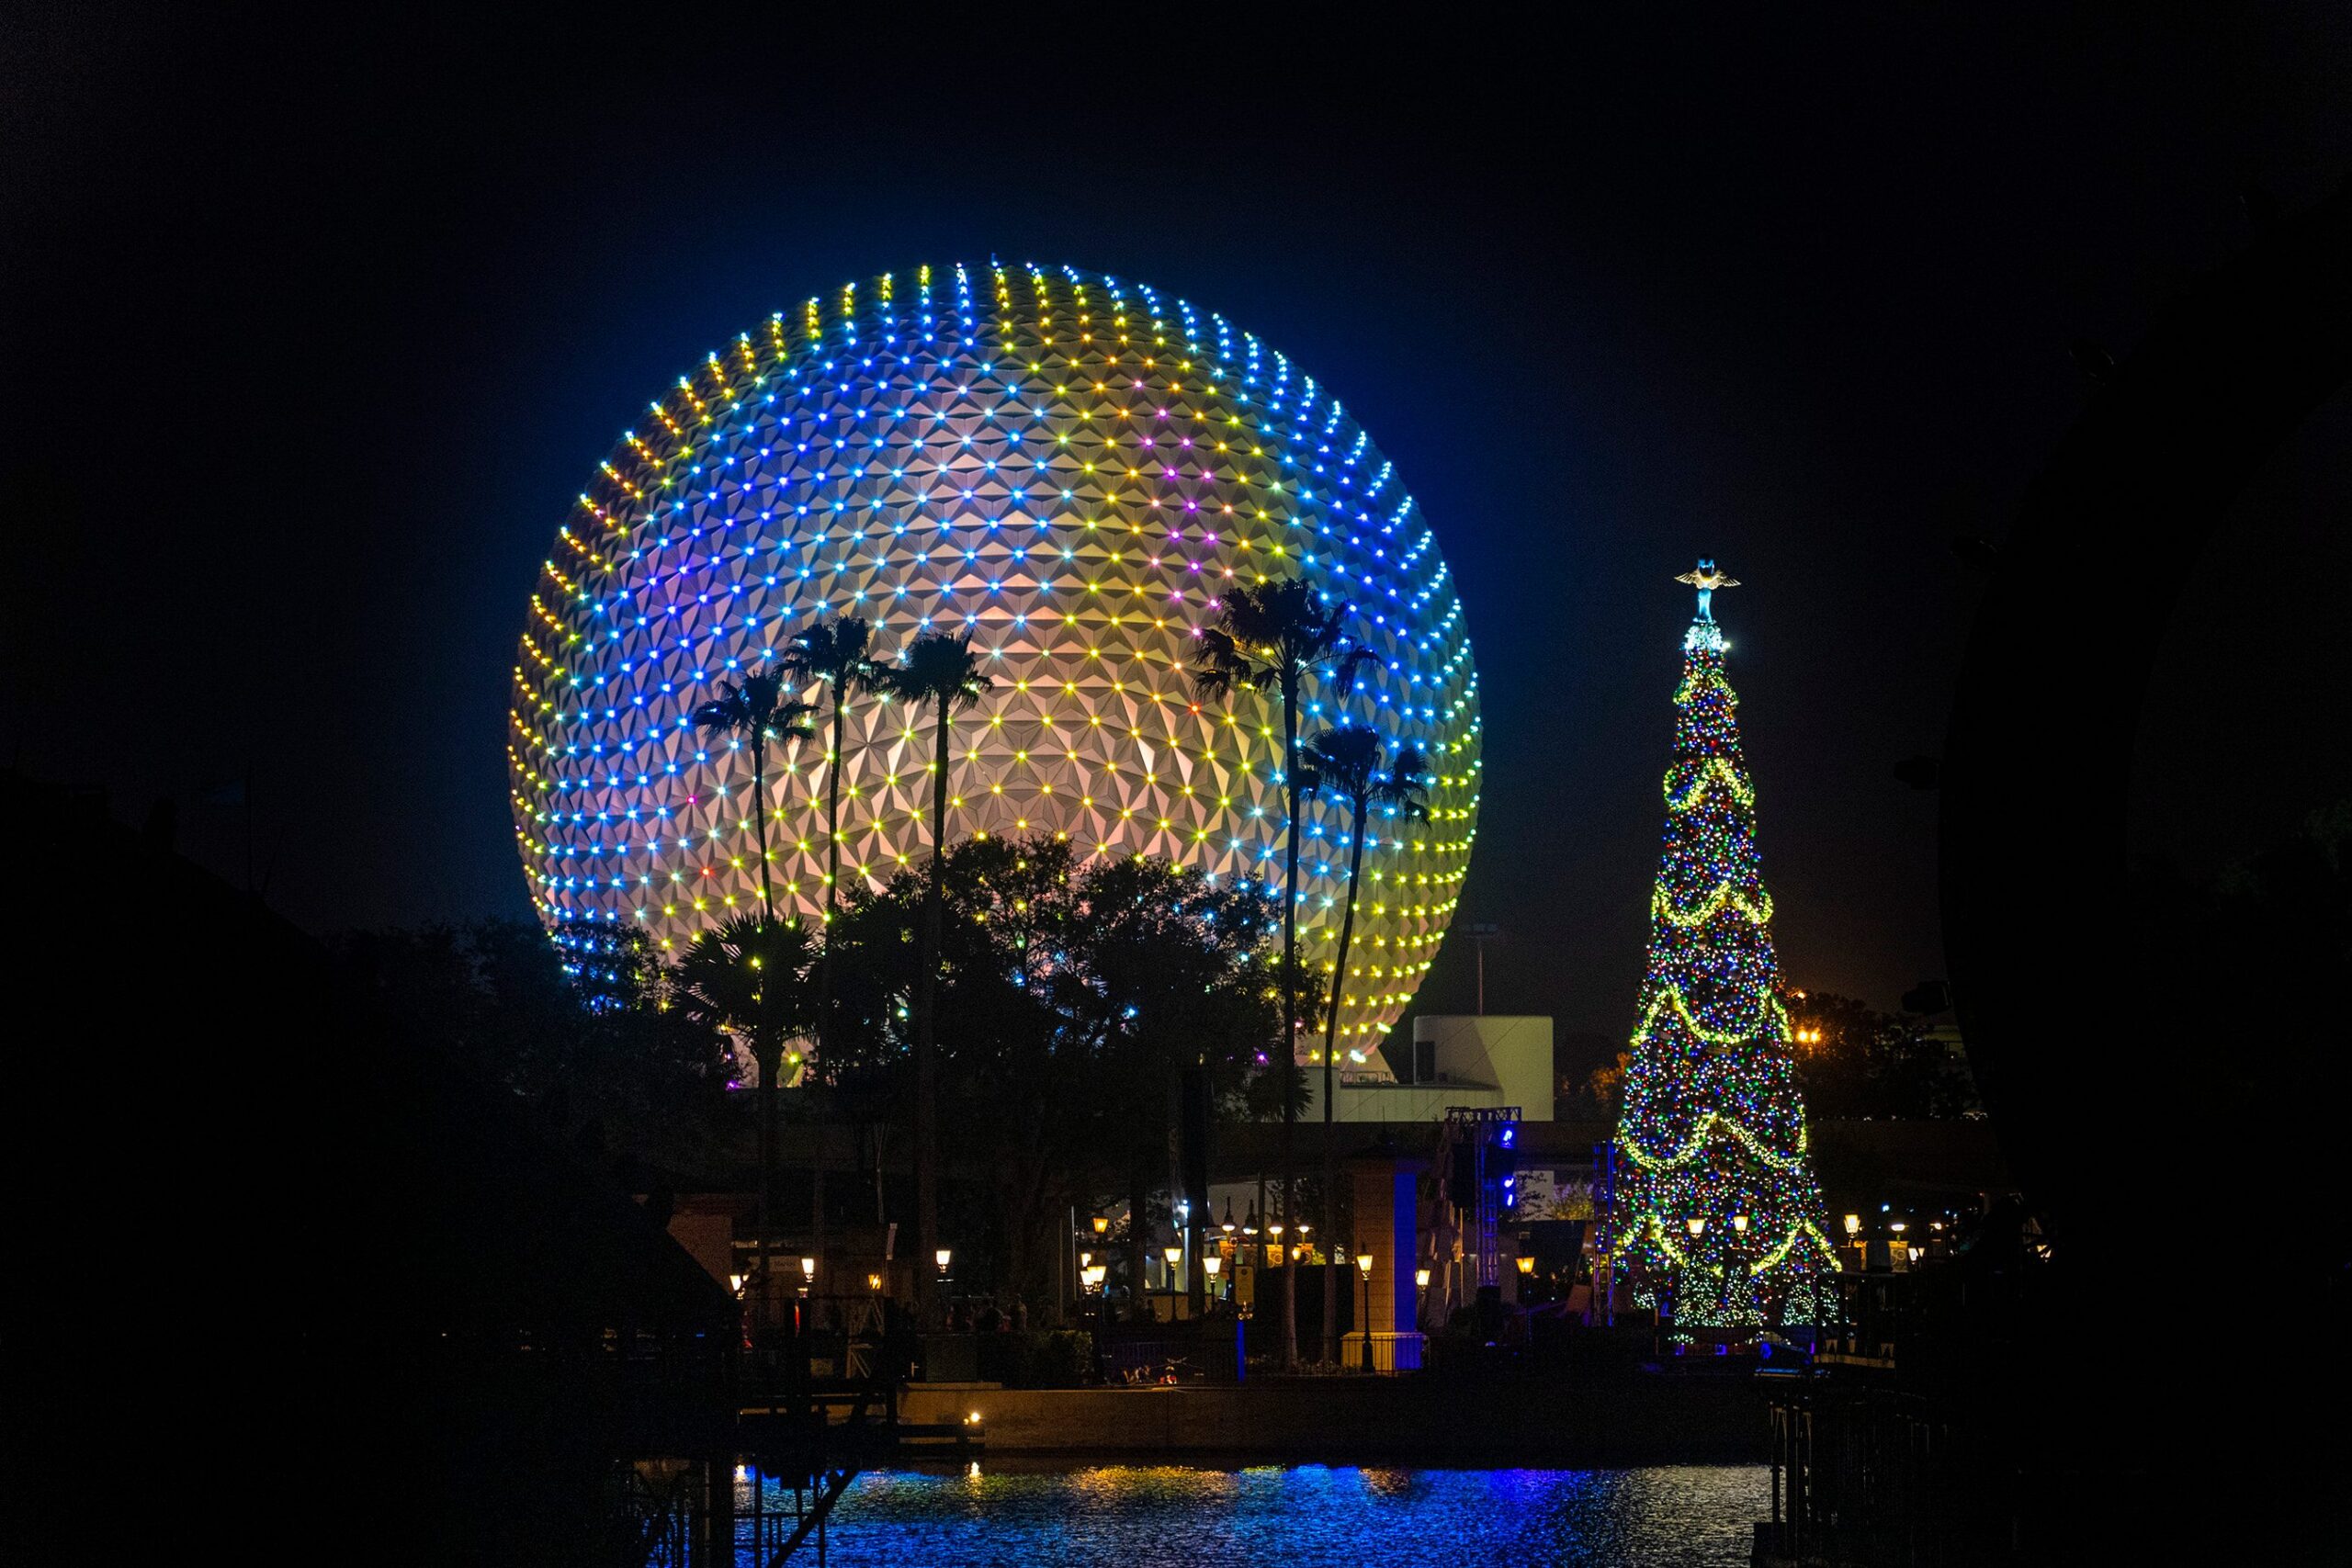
(1482, 1060)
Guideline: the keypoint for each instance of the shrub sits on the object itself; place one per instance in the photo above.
(1061, 1358)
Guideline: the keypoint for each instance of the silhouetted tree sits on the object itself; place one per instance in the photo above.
(750, 977)
(1344, 765)
(605, 1049)
(939, 671)
(836, 651)
(1855, 1062)
(1277, 636)
(757, 710)
(1078, 990)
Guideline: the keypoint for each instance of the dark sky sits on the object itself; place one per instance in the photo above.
(312, 335)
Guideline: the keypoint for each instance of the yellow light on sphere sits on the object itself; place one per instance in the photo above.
(916, 452)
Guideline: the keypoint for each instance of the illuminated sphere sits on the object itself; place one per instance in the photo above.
(1071, 467)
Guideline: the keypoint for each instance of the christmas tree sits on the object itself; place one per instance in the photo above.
(1715, 1213)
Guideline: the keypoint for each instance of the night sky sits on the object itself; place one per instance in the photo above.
(310, 337)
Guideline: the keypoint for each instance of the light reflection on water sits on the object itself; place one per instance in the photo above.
(1301, 1516)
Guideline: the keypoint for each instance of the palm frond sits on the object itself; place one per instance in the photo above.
(789, 720)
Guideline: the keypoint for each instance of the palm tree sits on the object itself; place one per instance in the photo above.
(833, 651)
(1343, 765)
(1278, 636)
(759, 710)
(933, 669)
(748, 977)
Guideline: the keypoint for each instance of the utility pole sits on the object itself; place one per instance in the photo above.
(1482, 932)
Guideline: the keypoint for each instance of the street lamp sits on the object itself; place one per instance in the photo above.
(1171, 1255)
(942, 1257)
(808, 1274)
(1227, 1225)
(1363, 1266)
(874, 1283)
(1739, 1224)
(1854, 1224)
(1210, 1264)
(1697, 1226)
(1101, 1224)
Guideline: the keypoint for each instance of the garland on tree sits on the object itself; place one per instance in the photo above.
(1715, 1215)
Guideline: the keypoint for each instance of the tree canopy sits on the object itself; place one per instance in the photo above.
(1855, 1062)
(1070, 995)
(581, 1026)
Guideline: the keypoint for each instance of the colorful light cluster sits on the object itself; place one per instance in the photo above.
(1716, 1206)
(1068, 466)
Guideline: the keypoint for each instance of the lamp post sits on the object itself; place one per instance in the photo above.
(1421, 1293)
(1210, 1264)
(1363, 1266)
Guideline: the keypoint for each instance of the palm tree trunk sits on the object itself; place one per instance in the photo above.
(1290, 1021)
(759, 822)
(1334, 1267)
(926, 1020)
(825, 953)
(772, 1062)
(832, 881)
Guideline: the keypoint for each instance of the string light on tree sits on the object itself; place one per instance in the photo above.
(1716, 1211)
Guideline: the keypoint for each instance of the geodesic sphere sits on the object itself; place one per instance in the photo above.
(1073, 468)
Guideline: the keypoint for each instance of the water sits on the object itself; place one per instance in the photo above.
(1300, 1516)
